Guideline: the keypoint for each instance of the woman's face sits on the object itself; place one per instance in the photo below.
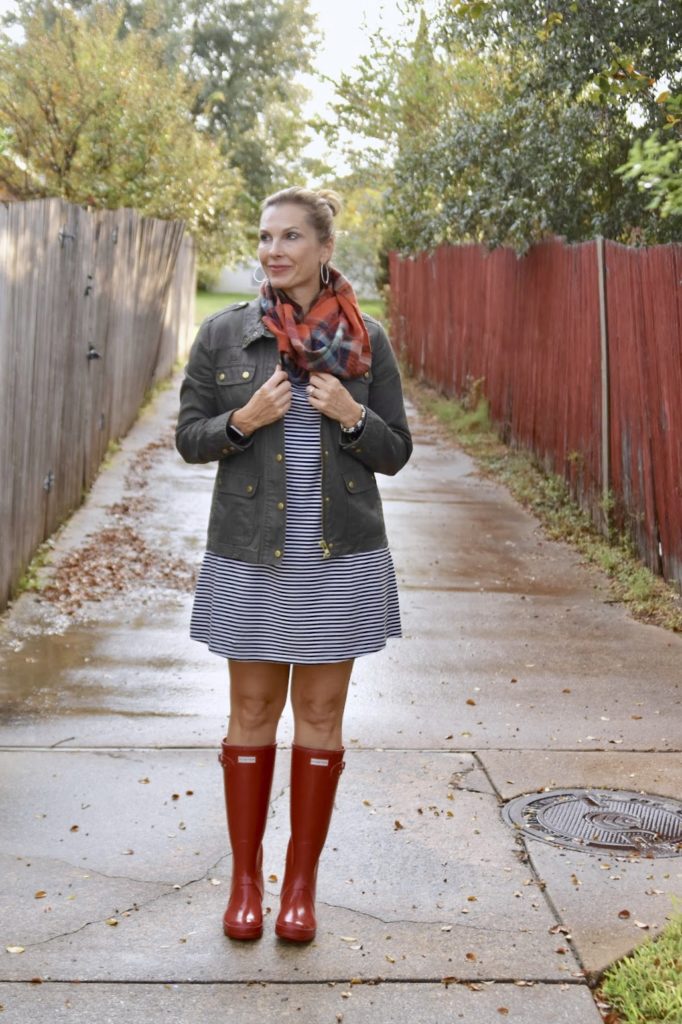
(290, 252)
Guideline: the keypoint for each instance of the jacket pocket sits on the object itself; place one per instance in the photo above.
(235, 512)
(365, 518)
(234, 384)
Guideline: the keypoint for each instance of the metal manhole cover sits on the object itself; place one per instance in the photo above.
(600, 821)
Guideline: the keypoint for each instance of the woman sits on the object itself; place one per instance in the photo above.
(297, 395)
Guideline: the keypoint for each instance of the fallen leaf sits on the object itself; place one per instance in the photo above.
(40, 895)
(641, 924)
(471, 956)
(391, 959)
(112, 921)
(74, 828)
(472, 899)
(449, 980)
(503, 1010)
(348, 938)
(273, 878)
(145, 781)
(397, 825)
(175, 796)
(214, 881)
(367, 803)
(470, 701)
(189, 792)
(566, 689)
(624, 914)
(15, 949)
(127, 853)
(446, 928)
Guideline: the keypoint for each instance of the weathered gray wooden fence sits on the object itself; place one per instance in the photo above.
(95, 306)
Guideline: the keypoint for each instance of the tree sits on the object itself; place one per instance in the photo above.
(656, 162)
(508, 120)
(245, 59)
(100, 119)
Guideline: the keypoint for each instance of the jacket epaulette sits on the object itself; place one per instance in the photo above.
(221, 312)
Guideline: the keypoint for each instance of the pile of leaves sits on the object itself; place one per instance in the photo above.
(112, 562)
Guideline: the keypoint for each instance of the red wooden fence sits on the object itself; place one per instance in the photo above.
(530, 326)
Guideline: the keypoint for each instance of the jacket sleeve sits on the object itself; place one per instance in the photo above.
(201, 431)
(385, 443)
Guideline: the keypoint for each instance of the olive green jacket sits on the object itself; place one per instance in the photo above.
(234, 354)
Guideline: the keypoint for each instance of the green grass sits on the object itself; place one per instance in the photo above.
(211, 302)
(648, 597)
(30, 579)
(646, 987)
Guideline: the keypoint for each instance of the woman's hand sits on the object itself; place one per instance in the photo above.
(327, 394)
(268, 404)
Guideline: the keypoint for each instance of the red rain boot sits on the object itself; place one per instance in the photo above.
(314, 777)
(247, 774)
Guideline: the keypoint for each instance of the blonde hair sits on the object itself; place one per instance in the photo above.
(321, 205)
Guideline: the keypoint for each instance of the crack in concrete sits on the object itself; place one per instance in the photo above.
(171, 887)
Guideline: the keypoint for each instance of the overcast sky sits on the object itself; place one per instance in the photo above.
(347, 27)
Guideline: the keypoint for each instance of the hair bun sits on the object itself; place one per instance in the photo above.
(332, 199)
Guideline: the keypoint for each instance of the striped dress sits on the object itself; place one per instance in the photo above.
(305, 610)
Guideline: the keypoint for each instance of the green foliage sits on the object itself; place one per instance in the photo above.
(506, 121)
(245, 59)
(99, 119)
(656, 162)
(644, 988)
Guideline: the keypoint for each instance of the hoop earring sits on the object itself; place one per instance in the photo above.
(259, 280)
(323, 267)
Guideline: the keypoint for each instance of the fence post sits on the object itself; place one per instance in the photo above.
(605, 422)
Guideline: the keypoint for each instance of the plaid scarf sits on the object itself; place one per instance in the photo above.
(330, 338)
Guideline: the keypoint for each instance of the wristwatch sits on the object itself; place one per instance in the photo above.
(357, 427)
(235, 433)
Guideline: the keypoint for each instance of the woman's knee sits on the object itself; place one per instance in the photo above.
(319, 703)
(257, 698)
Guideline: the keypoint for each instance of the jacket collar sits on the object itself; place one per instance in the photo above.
(253, 324)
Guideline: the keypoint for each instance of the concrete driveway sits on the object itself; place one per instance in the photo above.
(516, 674)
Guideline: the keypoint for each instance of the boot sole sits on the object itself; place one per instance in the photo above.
(294, 934)
(243, 934)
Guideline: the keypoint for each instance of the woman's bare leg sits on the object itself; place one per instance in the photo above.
(258, 693)
(318, 700)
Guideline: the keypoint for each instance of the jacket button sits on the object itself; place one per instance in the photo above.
(357, 449)
(221, 376)
(249, 488)
(279, 456)
(225, 451)
(280, 505)
(366, 375)
(326, 454)
(351, 484)
(327, 500)
(246, 374)
(278, 553)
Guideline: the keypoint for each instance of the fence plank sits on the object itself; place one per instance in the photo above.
(74, 280)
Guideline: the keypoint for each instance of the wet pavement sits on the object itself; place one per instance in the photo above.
(516, 674)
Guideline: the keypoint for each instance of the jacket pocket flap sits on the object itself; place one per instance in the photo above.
(239, 484)
(234, 373)
(358, 482)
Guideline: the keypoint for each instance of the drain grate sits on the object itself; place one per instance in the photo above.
(600, 821)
